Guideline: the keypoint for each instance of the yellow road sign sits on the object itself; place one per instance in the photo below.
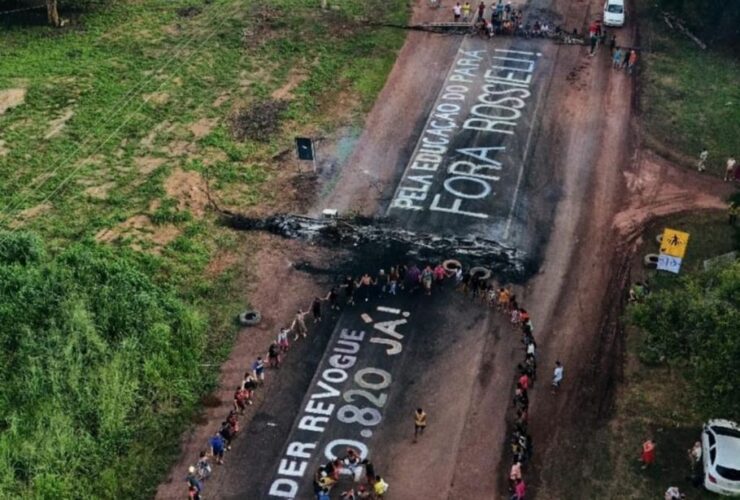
(674, 243)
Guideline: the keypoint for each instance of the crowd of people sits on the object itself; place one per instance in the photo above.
(352, 289)
(501, 19)
(410, 278)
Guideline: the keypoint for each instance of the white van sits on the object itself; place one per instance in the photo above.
(614, 13)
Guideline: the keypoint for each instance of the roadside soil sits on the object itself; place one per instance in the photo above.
(278, 290)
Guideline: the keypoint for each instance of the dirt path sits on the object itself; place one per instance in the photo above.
(278, 291)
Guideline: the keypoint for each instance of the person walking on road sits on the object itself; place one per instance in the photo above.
(730, 169)
(316, 309)
(420, 423)
(457, 11)
(557, 375)
(701, 165)
(648, 453)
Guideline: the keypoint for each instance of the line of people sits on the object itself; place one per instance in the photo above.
(254, 377)
(400, 277)
(521, 445)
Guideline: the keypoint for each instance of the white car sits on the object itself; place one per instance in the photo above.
(614, 13)
(720, 447)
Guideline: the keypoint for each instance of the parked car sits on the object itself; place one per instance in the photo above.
(614, 13)
(720, 446)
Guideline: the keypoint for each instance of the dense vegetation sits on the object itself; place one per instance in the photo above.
(716, 21)
(93, 354)
(696, 326)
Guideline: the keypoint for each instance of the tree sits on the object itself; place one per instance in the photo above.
(696, 327)
(53, 13)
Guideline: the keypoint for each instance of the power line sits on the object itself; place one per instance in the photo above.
(10, 207)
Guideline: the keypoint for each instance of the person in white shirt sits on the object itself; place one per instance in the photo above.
(557, 375)
(457, 10)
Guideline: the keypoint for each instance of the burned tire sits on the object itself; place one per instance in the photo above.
(451, 265)
(650, 260)
(250, 318)
(482, 273)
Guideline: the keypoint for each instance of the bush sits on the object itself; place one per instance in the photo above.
(696, 326)
(93, 356)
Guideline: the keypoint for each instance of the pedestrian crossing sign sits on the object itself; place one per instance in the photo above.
(674, 243)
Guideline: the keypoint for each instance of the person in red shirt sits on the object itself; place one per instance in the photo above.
(648, 453)
(520, 490)
(524, 382)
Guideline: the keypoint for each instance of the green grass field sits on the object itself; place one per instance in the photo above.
(690, 97)
(113, 124)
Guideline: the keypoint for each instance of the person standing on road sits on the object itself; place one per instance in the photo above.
(282, 340)
(730, 169)
(392, 280)
(420, 423)
(481, 11)
(617, 58)
(217, 447)
(520, 490)
(648, 453)
(333, 298)
(427, 276)
(299, 324)
(349, 289)
(365, 286)
(194, 484)
(632, 61)
(380, 487)
(316, 309)
(457, 11)
(695, 463)
(439, 273)
(701, 165)
(557, 376)
(466, 9)
(524, 382)
(258, 370)
(273, 355)
(203, 467)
